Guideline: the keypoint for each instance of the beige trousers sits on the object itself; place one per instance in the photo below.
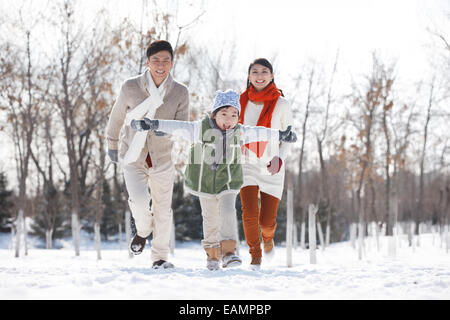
(150, 200)
(219, 219)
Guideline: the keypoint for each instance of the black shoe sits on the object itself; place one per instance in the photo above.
(137, 245)
(162, 264)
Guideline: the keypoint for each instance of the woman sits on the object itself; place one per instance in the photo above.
(262, 104)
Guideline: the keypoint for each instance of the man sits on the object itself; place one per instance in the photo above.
(146, 156)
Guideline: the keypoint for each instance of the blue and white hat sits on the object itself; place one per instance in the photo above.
(226, 98)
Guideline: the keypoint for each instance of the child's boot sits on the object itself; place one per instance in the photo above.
(229, 257)
(212, 262)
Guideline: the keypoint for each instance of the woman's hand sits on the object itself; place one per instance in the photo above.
(274, 165)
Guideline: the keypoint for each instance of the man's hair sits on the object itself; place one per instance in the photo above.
(157, 46)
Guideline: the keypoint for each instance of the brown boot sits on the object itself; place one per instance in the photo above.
(256, 263)
(229, 257)
(212, 262)
(269, 250)
(268, 246)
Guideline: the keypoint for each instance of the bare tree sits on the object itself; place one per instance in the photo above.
(306, 114)
(320, 138)
(368, 104)
(21, 93)
(420, 203)
(81, 81)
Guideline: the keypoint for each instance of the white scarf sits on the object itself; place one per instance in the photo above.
(146, 109)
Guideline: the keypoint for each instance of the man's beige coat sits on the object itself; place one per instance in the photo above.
(132, 93)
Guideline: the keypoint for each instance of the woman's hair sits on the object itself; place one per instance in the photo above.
(264, 62)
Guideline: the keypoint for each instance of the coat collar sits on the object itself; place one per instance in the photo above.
(143, 82)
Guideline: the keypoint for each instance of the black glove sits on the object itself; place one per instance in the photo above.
(288, 135)
(146, 124)
(160, 134)
(113, 155)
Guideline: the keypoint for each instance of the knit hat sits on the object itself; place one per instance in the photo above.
(226, 98)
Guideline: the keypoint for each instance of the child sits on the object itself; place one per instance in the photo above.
(214, 171)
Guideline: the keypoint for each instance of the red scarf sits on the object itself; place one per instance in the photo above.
(270, 97)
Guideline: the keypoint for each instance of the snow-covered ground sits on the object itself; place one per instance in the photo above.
(416, 273)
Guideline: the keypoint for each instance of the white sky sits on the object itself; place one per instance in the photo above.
(299, 30)
(302, 29)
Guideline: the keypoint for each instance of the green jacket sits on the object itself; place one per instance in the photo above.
(214, 165)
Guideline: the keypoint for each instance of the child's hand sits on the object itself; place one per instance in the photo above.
(146, 124)
(274, 165)
(288, 135)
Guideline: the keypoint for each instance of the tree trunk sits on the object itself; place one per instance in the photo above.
(172, 239)
(19, 231)
(289, 227)
(327, 235)
(353, 232)
(303, 235)
(392, 239)
(312, 233)
(361, 230)
(319, 229)
(419, 212)
(48, 239)
(25, 236)
(120, 235)
(128, 232)
(294, 234)
(13, 233)
(76, 232)
(97, 238)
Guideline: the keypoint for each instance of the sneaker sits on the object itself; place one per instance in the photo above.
(256, 263)
(162, 264)
(137, 245)
(231, 260)
(269, 250)
(212, 265)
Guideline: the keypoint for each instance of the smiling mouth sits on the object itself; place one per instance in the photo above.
(260, 81)
(160, 72)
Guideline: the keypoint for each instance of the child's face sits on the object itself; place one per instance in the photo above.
(227, 118)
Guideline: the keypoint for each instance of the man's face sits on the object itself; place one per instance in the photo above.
(160, 65)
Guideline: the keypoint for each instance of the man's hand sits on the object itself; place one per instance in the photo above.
(274, 165)
(288, 135)
(113, 155)
(146, 124)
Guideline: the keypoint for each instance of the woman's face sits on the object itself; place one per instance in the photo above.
(260, 76)
(227, 118)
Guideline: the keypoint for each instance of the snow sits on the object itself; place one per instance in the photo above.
(421, 272)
